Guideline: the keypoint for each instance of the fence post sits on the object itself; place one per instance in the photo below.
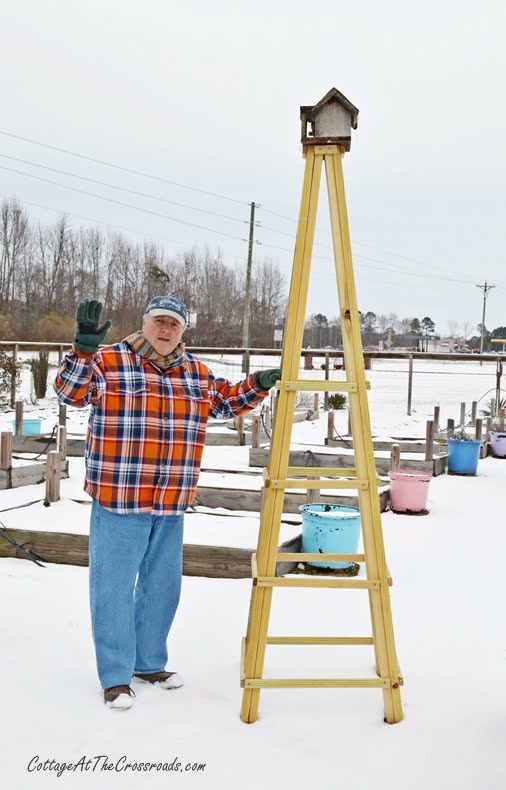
(498, 374)
(474, 409)
(5, 451)
(327, 371)
(313, 494)
(246, 362)
(501, 419)
(478, 428)
(488, 427)
(462, 414)
(450, 429)
(61, 442)
(330, 425)
(62, 414)
(239, 425)
(19, 418)
(436, 418)
(410, 383)
(316, 405)
(255, 431)
(274, 402)
(13, 375)
(53, 476)
(429, 440)
(395, 457)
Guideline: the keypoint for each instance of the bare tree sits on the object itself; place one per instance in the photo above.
(13, 240)
(467, 327)
(405, 326)
(453, 329)
(383, 323)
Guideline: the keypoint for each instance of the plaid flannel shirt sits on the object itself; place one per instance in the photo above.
(147, 428)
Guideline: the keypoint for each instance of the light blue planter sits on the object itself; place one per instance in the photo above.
(330, 529)
(463, 456)
(30, 427)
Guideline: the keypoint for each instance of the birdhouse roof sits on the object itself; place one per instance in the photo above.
(338, 96)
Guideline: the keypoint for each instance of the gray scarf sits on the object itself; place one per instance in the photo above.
(140, 345)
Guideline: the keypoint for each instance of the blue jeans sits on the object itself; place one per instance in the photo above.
(135, 584)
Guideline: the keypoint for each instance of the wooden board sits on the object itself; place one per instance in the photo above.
(407, 446)
(29, 474)
(240, 499)
(258, 457)
(75, 447)
(213, 561)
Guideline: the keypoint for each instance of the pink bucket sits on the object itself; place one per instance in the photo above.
(409, 490)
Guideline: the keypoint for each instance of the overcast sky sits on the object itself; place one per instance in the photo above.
(207, 94)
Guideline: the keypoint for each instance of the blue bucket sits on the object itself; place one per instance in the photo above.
(463, 456)
(30, 427)
(330, 529)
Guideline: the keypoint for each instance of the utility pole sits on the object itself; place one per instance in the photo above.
(247, 294)
(486, 288)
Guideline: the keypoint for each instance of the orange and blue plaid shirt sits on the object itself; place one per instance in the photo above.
(147, 427)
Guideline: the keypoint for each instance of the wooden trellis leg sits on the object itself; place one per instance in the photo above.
(372, 535)
(277, 464)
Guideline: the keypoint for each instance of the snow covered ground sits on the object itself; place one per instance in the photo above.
(446, 383)
(450, 628)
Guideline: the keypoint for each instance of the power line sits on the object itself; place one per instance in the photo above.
(123, 189)
(194, 189)
(392, 268)
(354, 243)
(125, 169)
(120, 203)
(72, 214)
(275, 214)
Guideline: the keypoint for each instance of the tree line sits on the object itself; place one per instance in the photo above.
(46, 270)
(323, 332)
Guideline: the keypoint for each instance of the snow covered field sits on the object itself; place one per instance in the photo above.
(449, 620)
(446, 383)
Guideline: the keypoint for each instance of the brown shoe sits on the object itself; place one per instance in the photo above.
(166, 680)
(119, 697)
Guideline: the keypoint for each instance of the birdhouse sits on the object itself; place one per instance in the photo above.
(330, 121)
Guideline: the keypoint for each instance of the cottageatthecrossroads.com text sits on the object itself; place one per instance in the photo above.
(102, 762)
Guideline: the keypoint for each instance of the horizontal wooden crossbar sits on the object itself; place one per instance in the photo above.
(362, 484)
(300, 556)
(322, 471)
(316, 581)
(320, 386)
(320, 640)
(314, 682)
(307, 557)
(322, 683)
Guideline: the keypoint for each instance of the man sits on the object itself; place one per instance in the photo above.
(150, 401)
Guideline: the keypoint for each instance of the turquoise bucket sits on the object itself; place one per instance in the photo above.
(330, 529)
(463, 456)
(30, 427)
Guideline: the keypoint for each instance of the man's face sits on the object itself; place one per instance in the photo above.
(163, 332)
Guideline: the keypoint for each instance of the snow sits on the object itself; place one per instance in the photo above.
(449, 620)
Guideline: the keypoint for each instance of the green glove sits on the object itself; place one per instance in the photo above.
(265, 379)
(89, 335)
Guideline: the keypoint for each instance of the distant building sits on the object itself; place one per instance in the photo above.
(443, 346)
